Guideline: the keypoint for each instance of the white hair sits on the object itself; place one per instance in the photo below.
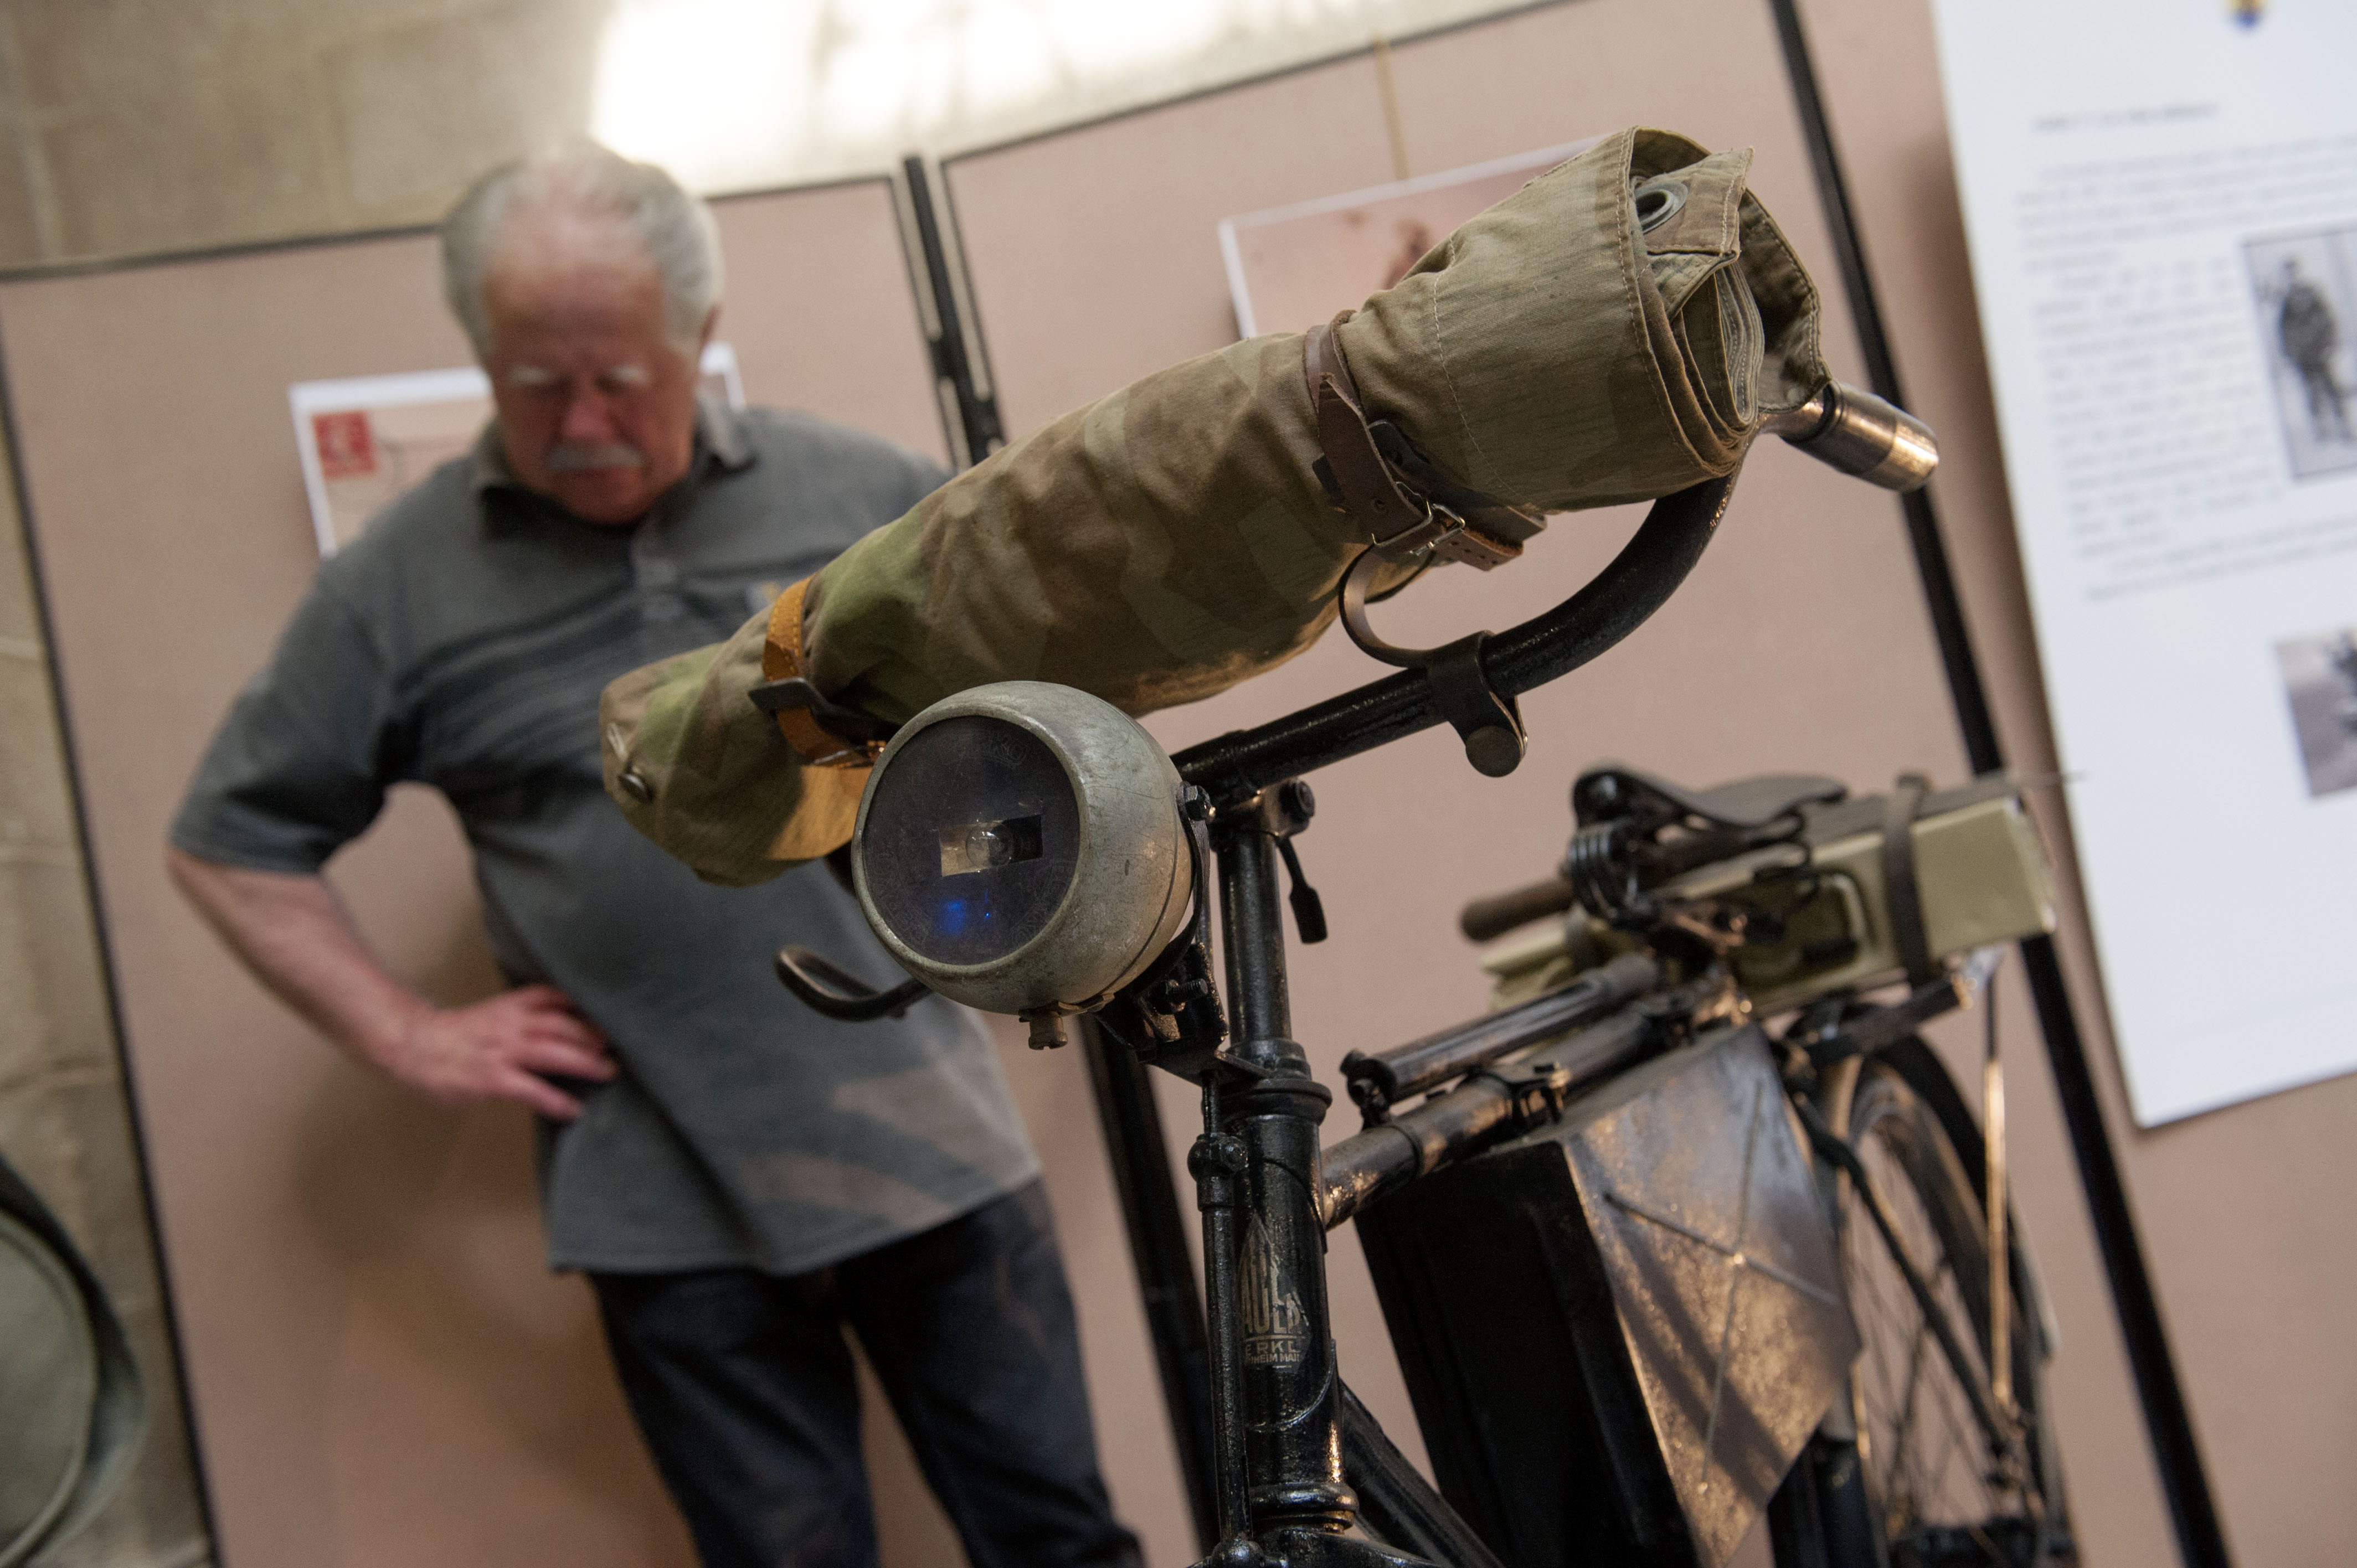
(581, 177)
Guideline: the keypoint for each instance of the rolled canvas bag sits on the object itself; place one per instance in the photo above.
(71, 1407)
(1557, 352)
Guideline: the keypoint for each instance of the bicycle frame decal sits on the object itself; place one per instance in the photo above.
(1276, 1331)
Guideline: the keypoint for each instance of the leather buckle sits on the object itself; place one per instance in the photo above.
(1404, 506)
(1468, 545)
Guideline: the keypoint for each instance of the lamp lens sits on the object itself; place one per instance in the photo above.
(972, 840)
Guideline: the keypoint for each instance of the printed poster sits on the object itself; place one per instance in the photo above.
(2161, 201)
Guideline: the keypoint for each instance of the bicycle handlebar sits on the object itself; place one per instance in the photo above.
(1613, 604)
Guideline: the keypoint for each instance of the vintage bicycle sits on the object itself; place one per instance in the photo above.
(1651, 1265)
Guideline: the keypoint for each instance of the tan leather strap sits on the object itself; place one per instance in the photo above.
(781, 649)
(782, 659)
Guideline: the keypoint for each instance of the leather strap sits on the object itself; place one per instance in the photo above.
(1399, 515)
(781, 649)
(1321, 358)
(782, 659)
(1369, 492)
(1902, 891)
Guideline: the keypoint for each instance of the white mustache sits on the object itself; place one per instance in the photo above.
(573, 457)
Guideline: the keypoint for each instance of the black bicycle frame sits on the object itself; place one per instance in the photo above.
(1280, 1419)
(1278, 1427)
(1279, 1410)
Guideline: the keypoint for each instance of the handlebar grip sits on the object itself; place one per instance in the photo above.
(1502, 912)
(1862, 436)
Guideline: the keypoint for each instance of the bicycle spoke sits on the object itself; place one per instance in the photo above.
(1901, 1449)
(1945, 1492)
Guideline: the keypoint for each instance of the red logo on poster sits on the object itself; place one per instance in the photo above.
(347, 446)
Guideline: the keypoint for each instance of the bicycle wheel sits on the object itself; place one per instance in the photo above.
(1942, 1491)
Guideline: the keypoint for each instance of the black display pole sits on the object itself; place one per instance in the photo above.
(1158, 1246)
(2176, 1454)
(960, 380)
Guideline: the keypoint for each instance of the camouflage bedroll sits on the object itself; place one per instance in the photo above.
(1175, 537)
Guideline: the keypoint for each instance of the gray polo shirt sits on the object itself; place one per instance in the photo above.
(461, 642)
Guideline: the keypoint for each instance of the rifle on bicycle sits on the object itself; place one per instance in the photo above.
(953, 696)
(1684, 916)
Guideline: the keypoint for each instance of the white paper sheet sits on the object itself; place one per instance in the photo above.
(2161, 200)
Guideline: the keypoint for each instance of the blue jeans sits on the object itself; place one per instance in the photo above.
(742, 1386)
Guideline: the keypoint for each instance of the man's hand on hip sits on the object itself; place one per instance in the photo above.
(297, 938)
(506, 1048)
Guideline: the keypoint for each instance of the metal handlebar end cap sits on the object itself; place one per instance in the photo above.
(1862, 436)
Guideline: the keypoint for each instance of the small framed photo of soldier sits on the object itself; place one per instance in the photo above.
(2320, 675)
(2304, 290)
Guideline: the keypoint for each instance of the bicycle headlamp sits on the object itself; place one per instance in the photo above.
(1020, 849)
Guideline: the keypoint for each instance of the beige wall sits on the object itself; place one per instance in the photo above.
(133, 126)
(64, 1120)
(130, 128)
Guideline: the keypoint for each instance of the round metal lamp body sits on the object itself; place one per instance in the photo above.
(1020, 849)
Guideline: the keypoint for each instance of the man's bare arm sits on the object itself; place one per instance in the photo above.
(298, 940)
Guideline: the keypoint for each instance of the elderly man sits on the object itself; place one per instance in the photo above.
(739, 1177)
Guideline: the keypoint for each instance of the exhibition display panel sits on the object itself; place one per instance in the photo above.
(356, 1275)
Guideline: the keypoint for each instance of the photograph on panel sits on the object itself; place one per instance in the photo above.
(1292, 267)
(2304, 287)
(2320, 676)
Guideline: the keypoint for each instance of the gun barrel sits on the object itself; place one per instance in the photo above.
(1352, 1172)
(1386, 1077)
(1502, 912)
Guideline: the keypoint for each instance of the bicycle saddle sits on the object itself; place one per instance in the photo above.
(1611, 792)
